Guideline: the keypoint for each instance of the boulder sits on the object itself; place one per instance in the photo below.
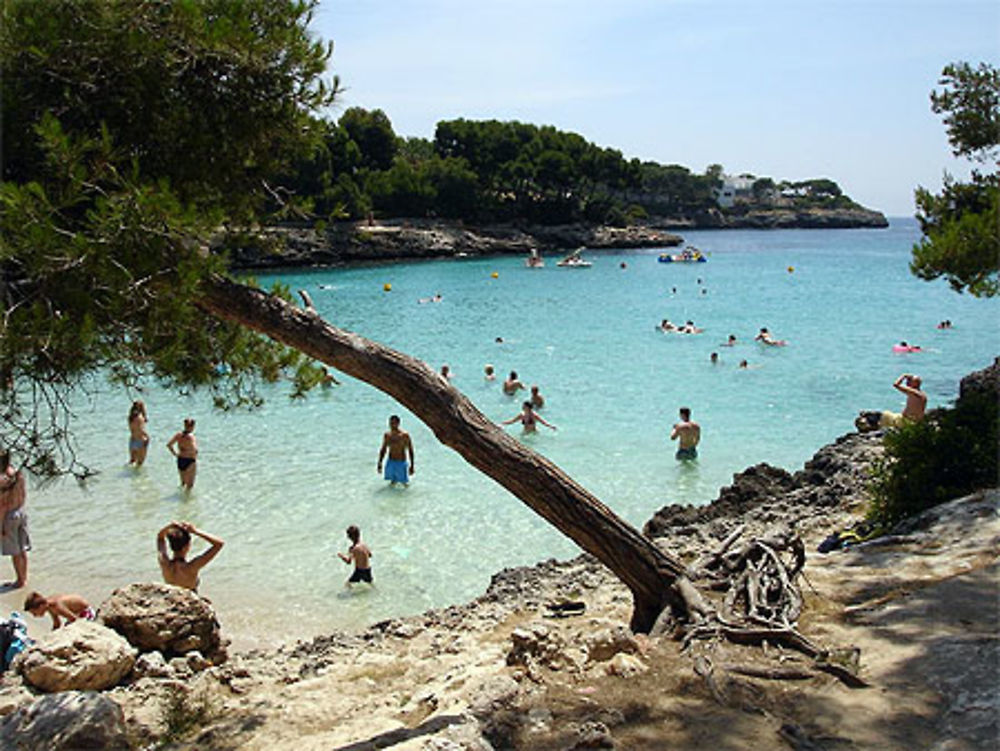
(68, 721)
(626, 666)
(985, 382)
(536, 643)
(161, 617)
(608, 642)
(81, 656)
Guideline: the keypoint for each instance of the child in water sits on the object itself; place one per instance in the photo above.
(360, 554)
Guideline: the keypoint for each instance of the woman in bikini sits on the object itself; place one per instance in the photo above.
(528, 418)
(186, 453)
(138, 440)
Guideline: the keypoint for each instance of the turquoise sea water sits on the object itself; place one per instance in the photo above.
(281, 484)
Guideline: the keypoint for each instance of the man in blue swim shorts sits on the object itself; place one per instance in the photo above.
(397, 442)
(689, 433)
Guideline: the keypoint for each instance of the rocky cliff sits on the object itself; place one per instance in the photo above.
(388, 241)
(780, 218)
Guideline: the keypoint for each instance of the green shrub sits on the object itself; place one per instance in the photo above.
(949, 454)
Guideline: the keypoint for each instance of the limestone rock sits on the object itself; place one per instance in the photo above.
(172, 620)
(152, 665)
(536, 643)
(608, 642)
(985, 381)
(593, 735)
(68, 721)
(626, 665)
(82, 656)
(13, 696)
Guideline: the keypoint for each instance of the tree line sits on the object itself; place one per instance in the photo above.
(492, 171)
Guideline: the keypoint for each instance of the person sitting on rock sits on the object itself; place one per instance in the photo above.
(177, 570)
(70, 607)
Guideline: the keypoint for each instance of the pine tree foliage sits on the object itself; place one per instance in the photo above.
(137, 134)
(961, 226)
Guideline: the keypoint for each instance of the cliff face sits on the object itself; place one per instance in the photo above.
(781, 218)
(359, 242)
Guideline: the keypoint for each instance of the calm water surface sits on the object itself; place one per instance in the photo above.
(281, 484)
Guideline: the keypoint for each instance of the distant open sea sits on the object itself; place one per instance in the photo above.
(282, 483)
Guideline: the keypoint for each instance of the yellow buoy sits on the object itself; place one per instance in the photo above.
(387, 287)
(495, 275)
(791, 269)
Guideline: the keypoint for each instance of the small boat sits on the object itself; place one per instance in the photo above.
(690, 254)
(534, 261)
(575, 261)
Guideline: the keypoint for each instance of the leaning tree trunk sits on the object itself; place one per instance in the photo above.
(648, 572)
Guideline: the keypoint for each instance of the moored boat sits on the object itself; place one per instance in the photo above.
(575, 261)
(690, 254)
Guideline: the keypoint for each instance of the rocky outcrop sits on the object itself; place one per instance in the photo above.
(81, 656)
(69, 721)
(835, 473)
(985, 381)
(172, 620)
(780, 218)
(414, 239)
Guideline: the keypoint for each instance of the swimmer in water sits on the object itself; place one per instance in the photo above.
(690, 328)
(714, 358)
(488, 374)
(537, 400)
(666, 326)
(730, 342)
(528, 418)
(764, 337)
(512, 385)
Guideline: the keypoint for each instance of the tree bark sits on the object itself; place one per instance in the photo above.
(645, 569)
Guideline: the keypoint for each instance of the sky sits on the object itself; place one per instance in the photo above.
(792, 90)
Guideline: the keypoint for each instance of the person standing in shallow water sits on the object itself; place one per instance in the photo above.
(359, 554)
(528, 419)
(186, 453)
(138, 441)
(176, 568)
(689, 434)
(398, 444)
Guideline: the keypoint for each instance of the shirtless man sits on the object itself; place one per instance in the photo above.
(186, 453)
(397, 442)
(360, 554)
(528, 417)
(177, 570)
(14, 520)
(537, 400)
(689, 433)
(916, 400)
(511, 386)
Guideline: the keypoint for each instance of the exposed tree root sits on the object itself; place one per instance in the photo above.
(760, 604)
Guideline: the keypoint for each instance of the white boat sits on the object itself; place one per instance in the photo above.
(534, 261)
(575, 261)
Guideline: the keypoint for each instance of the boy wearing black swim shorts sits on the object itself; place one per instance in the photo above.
(360, 554)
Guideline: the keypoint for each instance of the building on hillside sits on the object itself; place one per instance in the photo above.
(734, 188)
